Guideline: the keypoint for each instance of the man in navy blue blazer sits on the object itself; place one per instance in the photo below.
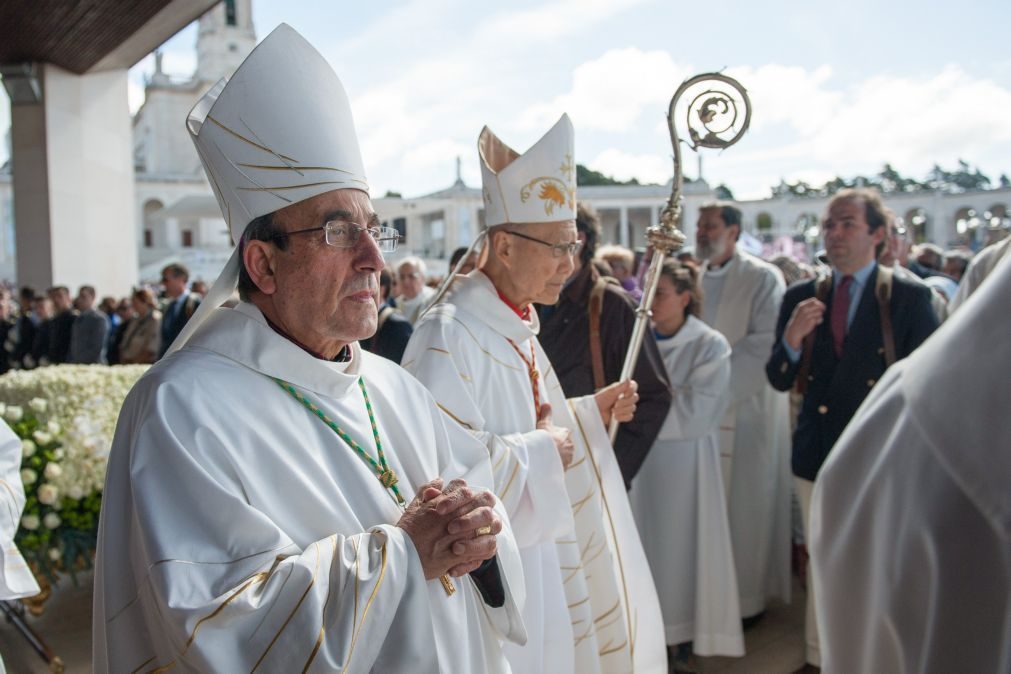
(835, 337)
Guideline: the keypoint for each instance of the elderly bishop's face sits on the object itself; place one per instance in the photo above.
(327, 295)
(540, 272)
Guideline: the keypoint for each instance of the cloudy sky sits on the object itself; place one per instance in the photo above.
(837, 88)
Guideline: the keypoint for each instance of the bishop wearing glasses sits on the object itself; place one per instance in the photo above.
(277, 499)
(591, 605)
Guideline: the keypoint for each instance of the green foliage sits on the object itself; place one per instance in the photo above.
(890, 181)
(586, 176)
(723, 193)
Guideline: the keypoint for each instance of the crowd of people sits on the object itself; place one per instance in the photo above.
(55, 327)
(486, 492)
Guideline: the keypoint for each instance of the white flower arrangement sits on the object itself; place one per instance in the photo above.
(66, 418)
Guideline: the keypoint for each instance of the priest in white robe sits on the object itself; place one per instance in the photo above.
(591, 603)
(16, 579)
(911, 513)
(678, 496)
(277, 499)
(743, 294)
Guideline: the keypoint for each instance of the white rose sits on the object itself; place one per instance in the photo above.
(54, 554)
(42, 437)
(58, 454)
(52, 470)
(51, 521)
(53, 428)
(27, 448)
(48, 494)
(75, 492)
(14, 413)
(28, 476)
(38, 405)
(30, 522)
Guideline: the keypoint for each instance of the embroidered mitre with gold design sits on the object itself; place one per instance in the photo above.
(536, 186)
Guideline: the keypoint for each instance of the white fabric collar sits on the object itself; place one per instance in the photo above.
(690, 331)
(477, 295)
(242, 335)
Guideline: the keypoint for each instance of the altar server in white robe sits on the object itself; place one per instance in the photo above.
(678, 497)
(911, 513)
(743, 294)
(16, 579)
(277, 499)
(591, 604)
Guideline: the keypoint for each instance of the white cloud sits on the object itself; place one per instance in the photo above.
(611, 92)
(439, 154)
(647, 168)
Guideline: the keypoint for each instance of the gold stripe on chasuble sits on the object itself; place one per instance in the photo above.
(585, 635)
(505, 490)
(365, 613)
(607, 649)
(486, 351)
(326, 602)
(578, 505)
(291, 615)
(255, 578)
(455, 418)
(576, 464)
(580, 602)
(614, 536)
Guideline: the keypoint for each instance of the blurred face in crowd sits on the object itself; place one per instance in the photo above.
(60, 299)
(411, 280)
(137, 306)
(85, 299)
(5, 305)
(535, 273)
(322, 295)
(714, 239)
(43, 308)
(849, 242)
(954, 267)
(669, 306)
(175, 285)
(897, 245)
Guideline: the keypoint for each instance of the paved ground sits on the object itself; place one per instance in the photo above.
(774, 646)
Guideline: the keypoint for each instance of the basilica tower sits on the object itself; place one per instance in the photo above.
(224, 39)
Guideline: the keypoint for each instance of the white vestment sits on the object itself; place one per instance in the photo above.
(755, 431)
(16, 579)
(911, 516)
(678, 498)
(240, 533)
(411, 308)
(979, 268)
(586, 573)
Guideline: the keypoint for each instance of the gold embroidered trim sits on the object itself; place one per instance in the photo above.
(10, 506)
(580, 602)
(298, 169)
(290, 187)
(608, 651)
(486, 351)
(291, 615)
(144, 664)
(578, 505)
(607, 612)
(365, 613)
(585, 635)
(576, 463)
(617, 550)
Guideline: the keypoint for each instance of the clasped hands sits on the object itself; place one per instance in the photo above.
(453, 529)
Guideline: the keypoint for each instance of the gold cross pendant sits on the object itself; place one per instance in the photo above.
(447, 585)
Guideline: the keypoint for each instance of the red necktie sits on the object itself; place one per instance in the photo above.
(840, 312)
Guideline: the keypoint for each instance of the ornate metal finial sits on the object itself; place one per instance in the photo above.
(717, 115)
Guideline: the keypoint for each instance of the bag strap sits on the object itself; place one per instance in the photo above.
(822, 288)
(883, 290)
(594, 309)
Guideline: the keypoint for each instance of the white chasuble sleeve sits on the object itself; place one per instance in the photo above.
(16, 579)
(527, 471)
(219, 587)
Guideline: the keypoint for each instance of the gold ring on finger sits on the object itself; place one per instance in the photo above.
(484, 531)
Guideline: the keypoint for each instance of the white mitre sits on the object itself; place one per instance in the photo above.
(278, 132)
(537, 186)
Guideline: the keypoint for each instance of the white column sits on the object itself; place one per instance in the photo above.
(73, 183)
(623, 233)
(654, 215)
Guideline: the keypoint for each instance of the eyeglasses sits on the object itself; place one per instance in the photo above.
(557, 249)
(343, 234)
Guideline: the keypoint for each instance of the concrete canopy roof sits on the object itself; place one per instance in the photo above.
(90, 35)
